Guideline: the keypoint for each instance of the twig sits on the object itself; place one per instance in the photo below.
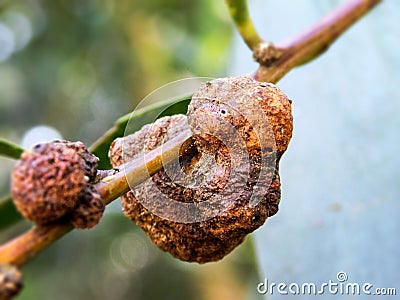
(299, 50)
(240, 15)
(24, 247)
(19, 250)
(138, 170)
(276, 61)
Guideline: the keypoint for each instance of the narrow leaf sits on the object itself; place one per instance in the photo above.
(9, 214)
(9, 149)
(136, 121)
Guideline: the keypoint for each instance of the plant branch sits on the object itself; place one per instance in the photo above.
(136, 120)
(138, 170)
(276, 61)
(240, 15)
(301, 49)
(19, 250)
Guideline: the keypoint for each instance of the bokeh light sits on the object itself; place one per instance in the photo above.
(40, 134)
(7, 42)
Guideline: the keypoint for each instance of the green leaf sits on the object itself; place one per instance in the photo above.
(136, 121)
(8, 213)
(9, 149)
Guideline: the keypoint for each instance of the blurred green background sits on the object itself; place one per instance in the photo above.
(77, 66)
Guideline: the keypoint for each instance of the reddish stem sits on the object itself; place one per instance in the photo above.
(276, 63)
(277, 60)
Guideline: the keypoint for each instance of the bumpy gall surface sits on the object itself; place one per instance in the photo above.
(224, 99)
(89, 211)
(53, 179)
(47, 182)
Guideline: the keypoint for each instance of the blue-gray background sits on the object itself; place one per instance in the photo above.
(77, 66)
(341, 174)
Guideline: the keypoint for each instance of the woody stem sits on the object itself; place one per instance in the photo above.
(275, 62)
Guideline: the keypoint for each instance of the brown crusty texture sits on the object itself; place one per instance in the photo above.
(90, 161)
(10, 282)
(89, 210)
(212, 239)
(238, 100)
(47, 182)
(53, 179)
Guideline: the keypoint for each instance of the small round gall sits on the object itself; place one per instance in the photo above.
(48, 180)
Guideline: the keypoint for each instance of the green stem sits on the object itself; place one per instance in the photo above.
(137, 120)
(138, 170)
(240, 15)
(302, 49)
(19, 250)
